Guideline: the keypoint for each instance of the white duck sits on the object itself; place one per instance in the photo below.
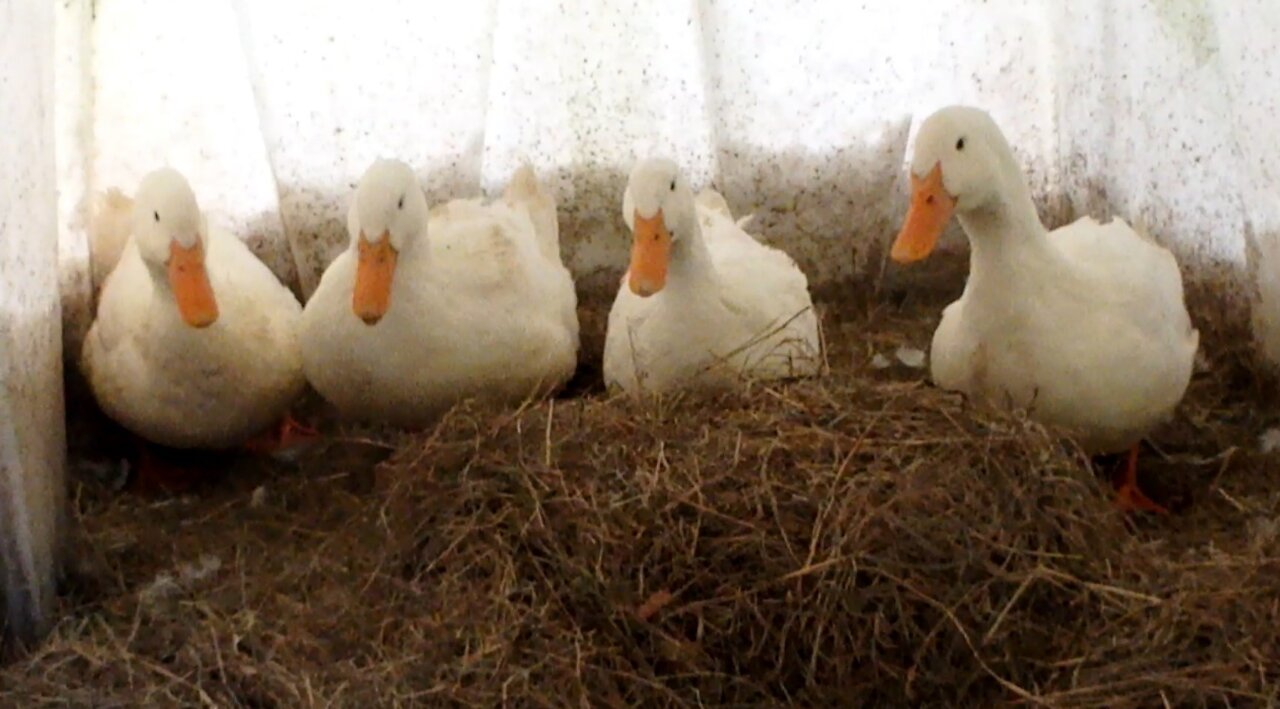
(425, 309)
(703, 304)
(1085, 326)
(195, 343)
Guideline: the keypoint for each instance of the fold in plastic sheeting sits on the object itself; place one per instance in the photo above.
(801, 112)
(32, 437)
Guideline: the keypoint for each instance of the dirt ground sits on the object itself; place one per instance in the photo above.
(862, 538)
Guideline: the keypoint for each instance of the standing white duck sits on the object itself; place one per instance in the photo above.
(195, 343)
(703, 304)
(426, 309)
(1085, 326)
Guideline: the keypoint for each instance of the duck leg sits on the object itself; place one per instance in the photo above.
(288, 435)
(1129, 497)
(156, 475)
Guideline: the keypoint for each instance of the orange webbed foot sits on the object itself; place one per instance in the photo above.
(154, 475)
(1129, 497)
(289, 436)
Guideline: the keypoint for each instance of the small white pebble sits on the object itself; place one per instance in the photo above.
(1265, 531)
(207, 566)
(259, 497)
(166, 584)
(162, 587)
(1269, 441)
(880, 362)
(910, 356)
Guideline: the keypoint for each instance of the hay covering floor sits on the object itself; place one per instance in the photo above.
(860, 538)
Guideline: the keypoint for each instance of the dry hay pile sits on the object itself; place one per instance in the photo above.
(862, 538)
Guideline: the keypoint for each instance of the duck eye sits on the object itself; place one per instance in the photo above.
(400, 204)
(673, 185)
(960, 144)
(156, 215)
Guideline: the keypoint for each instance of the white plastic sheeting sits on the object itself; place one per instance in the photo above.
(1167, 116)
(32, 438)
(1161, 111)
(800, 110)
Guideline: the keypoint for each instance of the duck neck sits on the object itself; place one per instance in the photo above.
(690, 260)
(160, 282)
(414, 249)
(1006, 240)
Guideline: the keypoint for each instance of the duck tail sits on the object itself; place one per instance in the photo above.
(109, 231)
(525, 190)
(714, 201)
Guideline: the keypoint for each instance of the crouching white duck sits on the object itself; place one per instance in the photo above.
(194, 344)
(1085, 327)
(703, 305)
(428, 308)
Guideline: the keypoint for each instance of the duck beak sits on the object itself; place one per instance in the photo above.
(189, 280)
(374, 272)
(931, 210)
(650, 255)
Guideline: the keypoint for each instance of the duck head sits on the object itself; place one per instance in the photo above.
(962, 163)
(388, 213)
(170, 234)
(658, 207)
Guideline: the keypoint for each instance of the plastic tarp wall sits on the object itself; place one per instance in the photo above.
(800, 111)
(32, 438)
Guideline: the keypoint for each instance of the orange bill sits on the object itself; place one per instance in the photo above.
(190, 283)
(374, 272)
(650, 255)
(931, 209)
